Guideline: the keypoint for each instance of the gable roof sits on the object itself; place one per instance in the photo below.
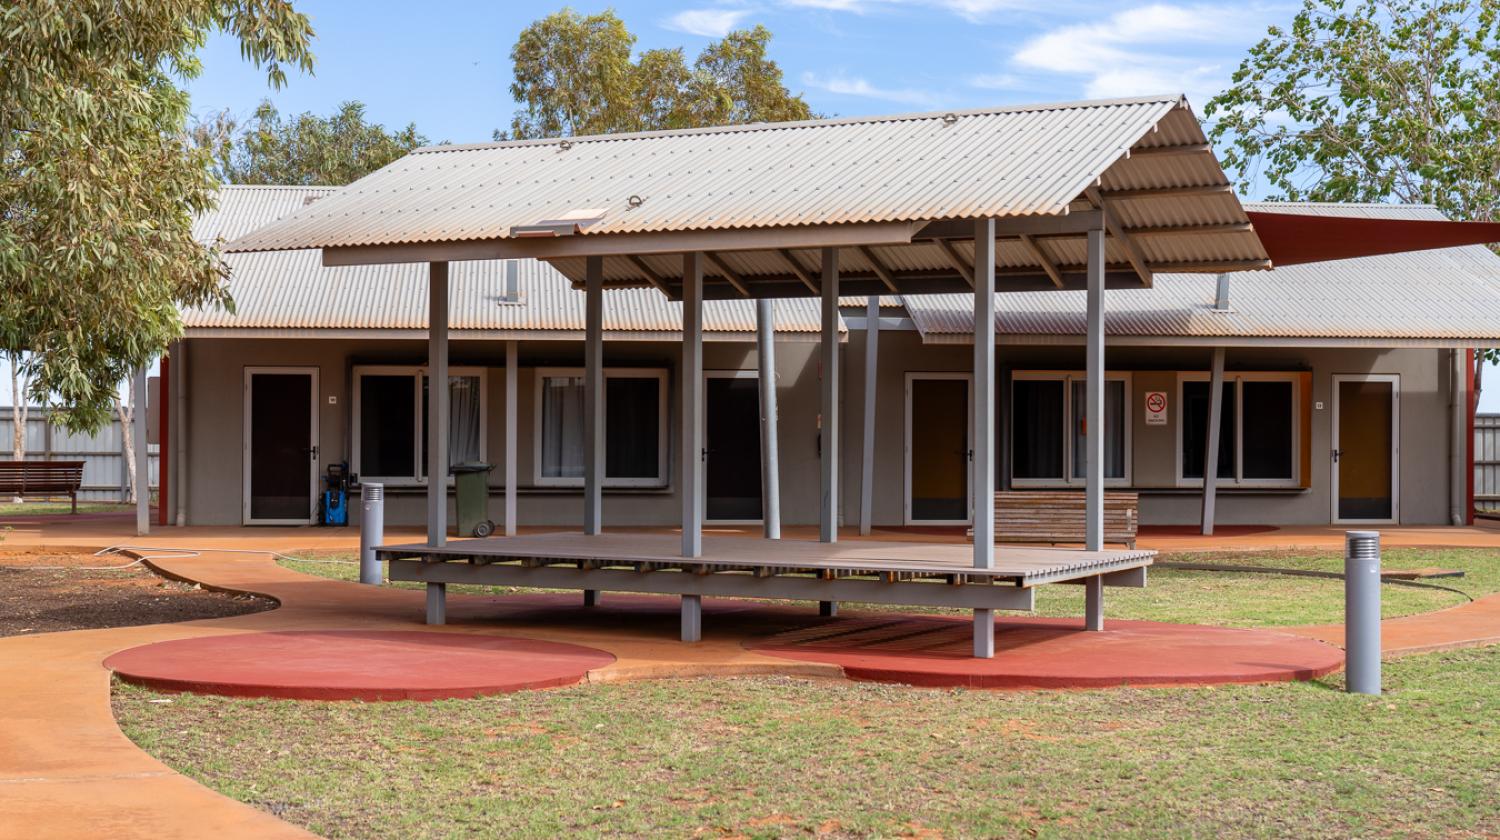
(1448, 296)
(755, 193)
(292, 290)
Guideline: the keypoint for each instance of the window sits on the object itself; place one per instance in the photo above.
(1049, 433)
(390, 422)
(635, 427)
(1259, 434)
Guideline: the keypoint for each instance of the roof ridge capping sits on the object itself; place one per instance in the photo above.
(1177, 99)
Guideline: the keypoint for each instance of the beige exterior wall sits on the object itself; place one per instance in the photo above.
(216, 389)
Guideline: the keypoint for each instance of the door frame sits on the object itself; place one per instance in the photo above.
(968, 378)
(1395, 381)
(703, 485)
(247, 458)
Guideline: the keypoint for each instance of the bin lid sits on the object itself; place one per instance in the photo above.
(470, 468)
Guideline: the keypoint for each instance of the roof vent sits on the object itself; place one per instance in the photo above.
(950, 118)
(567, 224)
(1221, 299)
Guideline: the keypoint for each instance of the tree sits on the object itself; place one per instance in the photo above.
(126, 410)
(1371, 101)
(307, 149)
(574, 75)
(99, 182)
(19, 399)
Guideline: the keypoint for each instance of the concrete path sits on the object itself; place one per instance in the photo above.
(66, 771)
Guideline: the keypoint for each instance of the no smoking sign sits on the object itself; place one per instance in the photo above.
(1156, 408)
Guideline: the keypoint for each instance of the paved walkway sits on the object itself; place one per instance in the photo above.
(67, 771)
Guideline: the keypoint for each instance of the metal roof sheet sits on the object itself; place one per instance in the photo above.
(1036, 160)
(293, 290)
(1449, 294)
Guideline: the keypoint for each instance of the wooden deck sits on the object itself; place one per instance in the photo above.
(918, 574)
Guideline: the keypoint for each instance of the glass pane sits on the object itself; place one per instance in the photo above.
(632, 427)
(281, 445)
(463, 421)
(562, 427)
(1114, 428)
(1037, 428)
(386, 426)
(1267, 414)
(1195, 430)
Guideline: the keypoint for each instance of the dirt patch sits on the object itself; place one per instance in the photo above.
(49, 591)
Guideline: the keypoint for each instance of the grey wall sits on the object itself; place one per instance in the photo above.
(215, 434)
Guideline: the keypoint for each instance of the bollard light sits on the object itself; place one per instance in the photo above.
(1362, 611)
(371, 531)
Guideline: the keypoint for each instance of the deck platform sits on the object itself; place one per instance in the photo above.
(908, 573)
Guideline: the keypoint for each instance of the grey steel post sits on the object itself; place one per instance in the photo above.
(437, 603)
(1211, 454)
(371, 531)
(1362, 611)
(983, 422)
(828, 354)
(690, 462)
(1094, 389)
(437, 404)
(142, 457)
(692, 618)
(593, 396)
(867, 448)
(510, 438)
(770, 460)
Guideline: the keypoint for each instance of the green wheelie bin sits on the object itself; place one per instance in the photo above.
(471, 499)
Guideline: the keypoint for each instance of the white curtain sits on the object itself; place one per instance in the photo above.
(463, 420)
(562, 427)
(1114, 428)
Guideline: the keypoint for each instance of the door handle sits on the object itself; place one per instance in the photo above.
(314, 452)
(1336, 454)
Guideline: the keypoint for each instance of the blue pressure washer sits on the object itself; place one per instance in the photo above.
(336, 495)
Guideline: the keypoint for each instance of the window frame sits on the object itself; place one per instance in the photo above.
(1067, 378)
(663, 443)
(1238, 379)
(417, 374)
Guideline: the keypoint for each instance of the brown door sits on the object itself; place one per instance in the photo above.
(938, 414)
(1364, 459)
(281, 454)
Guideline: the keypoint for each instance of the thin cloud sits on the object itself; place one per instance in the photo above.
(970, 10)
(857, 86)
(709, 23)
(994, 81)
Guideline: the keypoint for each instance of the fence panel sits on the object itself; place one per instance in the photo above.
(1487, 462)
(105, 478)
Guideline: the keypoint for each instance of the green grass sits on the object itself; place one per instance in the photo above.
(42, 508)
(771, 757)
(1233, 599)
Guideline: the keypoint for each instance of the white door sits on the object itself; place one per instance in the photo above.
(280, 446)
(1366, 448)
(939, 449)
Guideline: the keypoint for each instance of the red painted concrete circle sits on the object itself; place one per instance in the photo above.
(356, 665)
(1052, 653)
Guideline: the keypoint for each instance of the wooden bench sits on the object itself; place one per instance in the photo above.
(1057, 517)
(41, 478)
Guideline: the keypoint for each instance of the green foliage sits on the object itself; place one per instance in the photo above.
(1370, 101)
(574, 75)
(99, 185)
(307, 149)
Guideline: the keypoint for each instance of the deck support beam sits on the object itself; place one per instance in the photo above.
(828, 609)
(437, 603)
(1211, 455)
(1093, 603)
(867, 442)
(828, 509)
(437, 410)
(770, 462)
(983, 423)
(511, 434)
(690, 460)
(593, 397)
(591, 597)
(692, 618)
(1094, 397)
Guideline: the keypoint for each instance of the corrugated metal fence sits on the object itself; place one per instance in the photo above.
(105, 478)
(1487, 462)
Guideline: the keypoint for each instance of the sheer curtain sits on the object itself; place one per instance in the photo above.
(463, 420)
(1114, 428)
(562, 427)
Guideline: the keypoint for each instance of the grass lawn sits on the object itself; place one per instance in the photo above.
(47, 508)
(1220, 598)
(780, 758)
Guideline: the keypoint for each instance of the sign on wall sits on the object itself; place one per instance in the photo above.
(1156, 408)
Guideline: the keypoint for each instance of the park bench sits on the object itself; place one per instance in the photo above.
(1057, 517)
(41, 478)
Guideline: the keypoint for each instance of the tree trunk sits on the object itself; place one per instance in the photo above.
(1479, 362)
(127, 416)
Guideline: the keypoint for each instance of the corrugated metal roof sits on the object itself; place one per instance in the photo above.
(1448, 294)
(1005, 162)
(293, 290)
